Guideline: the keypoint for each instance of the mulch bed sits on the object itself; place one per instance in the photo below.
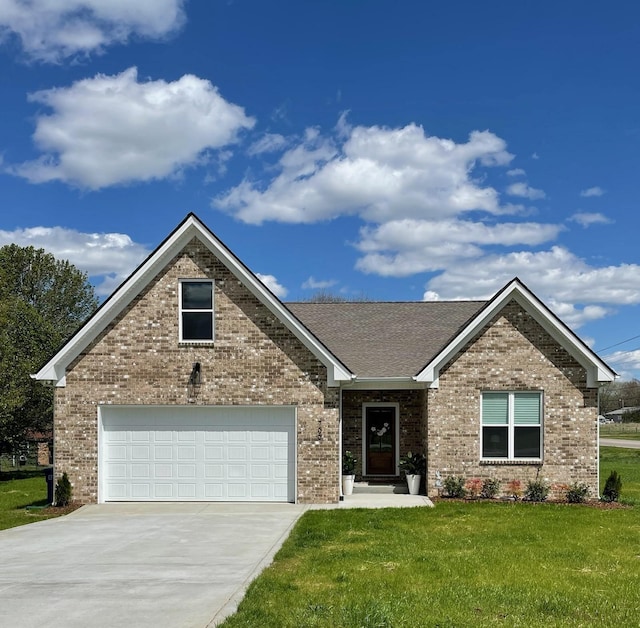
(60, 510)
(593, 503)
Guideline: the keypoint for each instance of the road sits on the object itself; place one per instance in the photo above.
(620, 442)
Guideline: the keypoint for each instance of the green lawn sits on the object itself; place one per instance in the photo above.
(458, 565)
(627, 463)
(18, 490)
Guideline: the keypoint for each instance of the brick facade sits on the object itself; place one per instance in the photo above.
(514, 353)
(255, 360)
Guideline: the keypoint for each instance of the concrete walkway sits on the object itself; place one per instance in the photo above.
(627, 443)
(146, 565)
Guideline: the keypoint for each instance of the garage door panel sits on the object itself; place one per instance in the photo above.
(205, 453)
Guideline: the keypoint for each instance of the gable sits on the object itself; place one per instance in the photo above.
(174, 245)
(596, 369)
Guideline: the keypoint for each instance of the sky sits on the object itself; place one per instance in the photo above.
(393, 151)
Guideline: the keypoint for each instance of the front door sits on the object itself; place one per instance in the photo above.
(380, 439)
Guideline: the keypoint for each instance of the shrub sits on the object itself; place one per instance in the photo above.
(473, 487)
(577, 493)
(612, 488)
(454, 486)
(537, 491)
(348, 463)
(63, 491)
(514, 489)
(490, 488)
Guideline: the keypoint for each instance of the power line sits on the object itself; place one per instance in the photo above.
(619, 343)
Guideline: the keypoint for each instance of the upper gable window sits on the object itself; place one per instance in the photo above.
(512, 425)
(196, 310)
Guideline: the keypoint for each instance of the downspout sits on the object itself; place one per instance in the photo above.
(340, 444)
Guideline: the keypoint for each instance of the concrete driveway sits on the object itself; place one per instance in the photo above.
(138, 565)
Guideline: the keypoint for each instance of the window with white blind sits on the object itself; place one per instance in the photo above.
(512, 425)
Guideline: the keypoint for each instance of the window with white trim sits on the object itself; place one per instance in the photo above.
(512, 425)
(196, 310)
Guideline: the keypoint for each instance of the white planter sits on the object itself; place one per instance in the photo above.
(347, 484)
(413, 482)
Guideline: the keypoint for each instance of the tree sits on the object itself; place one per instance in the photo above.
(42, 302)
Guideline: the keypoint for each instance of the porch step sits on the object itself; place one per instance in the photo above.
(399, 488)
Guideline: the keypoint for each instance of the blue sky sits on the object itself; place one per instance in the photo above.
(398, 150)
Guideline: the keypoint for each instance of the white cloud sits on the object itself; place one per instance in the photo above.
(535, 156)
(377, 173)
(109, 257)
(557, 276)
(594, 191)
(318, 284)
(272, 283)
(516, 172)
(586, 219)
(109, 130)
(268, 143)
(51, 30)
(525, 191)
(405, 247)
(626, 363)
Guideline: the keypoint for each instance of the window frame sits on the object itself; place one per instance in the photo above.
(182, 310)
(512, 427)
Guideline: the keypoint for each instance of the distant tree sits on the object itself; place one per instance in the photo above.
(619, 394)
(42, 302)
(324, 296)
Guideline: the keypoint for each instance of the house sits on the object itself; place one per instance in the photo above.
(619, 415)
(194, 382)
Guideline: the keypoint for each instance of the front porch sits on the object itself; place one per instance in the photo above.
(380, 427)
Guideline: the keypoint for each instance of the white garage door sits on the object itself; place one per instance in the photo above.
(203, 453)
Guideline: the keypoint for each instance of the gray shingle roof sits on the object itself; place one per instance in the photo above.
(385, 339)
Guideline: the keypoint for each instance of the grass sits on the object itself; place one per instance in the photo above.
(627, 463)
(20, 490)
(458, 565)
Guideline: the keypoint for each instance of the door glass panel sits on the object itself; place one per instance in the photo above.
(380, 428)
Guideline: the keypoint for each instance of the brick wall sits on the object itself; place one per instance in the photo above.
(254, 360)
(411, 407)
(514, 353)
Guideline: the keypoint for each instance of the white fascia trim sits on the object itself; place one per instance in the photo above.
(597, 370)
(55, 369)
(384, 383)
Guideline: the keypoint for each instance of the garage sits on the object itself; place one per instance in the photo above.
(197, 453)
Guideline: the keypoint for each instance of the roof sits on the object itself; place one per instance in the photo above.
(385, 339)
(624, 410)
(366, 340)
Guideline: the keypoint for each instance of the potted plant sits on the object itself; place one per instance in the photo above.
(414, 467)
(348, 472)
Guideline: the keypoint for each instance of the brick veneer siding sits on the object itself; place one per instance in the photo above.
(255, 359)
(411, 408)
(514, 353)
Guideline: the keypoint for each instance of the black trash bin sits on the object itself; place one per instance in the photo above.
(48, 473)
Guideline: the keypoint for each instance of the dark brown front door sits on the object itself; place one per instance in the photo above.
(380, 437)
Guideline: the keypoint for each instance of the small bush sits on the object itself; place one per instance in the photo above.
(473, 487)
(514, 489)
(454, 486)
(414, 464)
(577, 493)
(612, 488)
(537, 491)
(490, 488)
(63, 491)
